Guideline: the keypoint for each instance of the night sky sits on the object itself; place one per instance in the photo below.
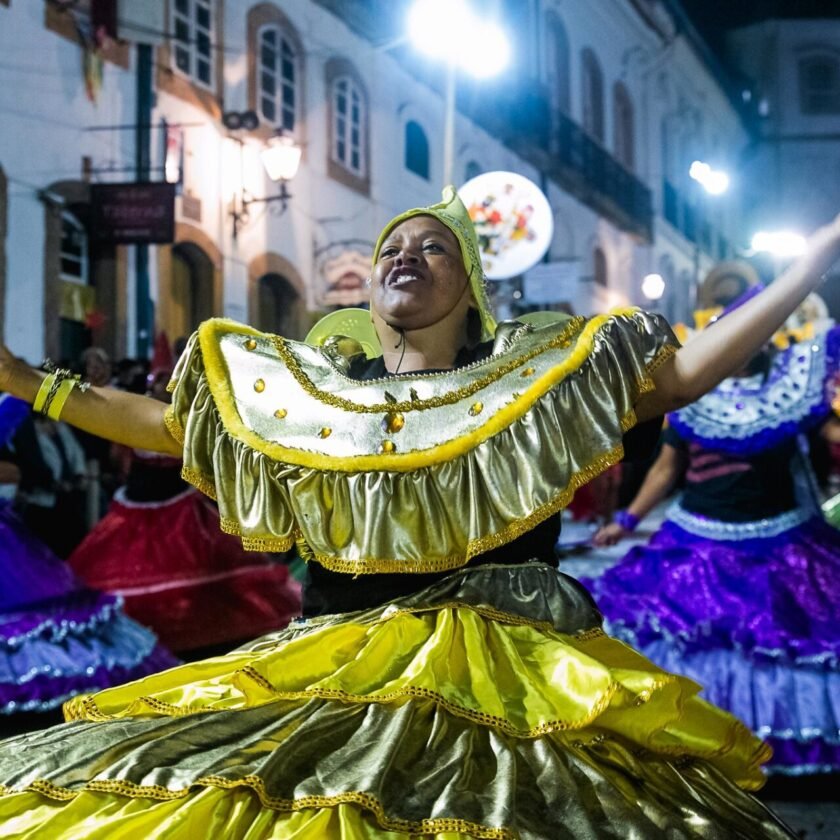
(713, 17)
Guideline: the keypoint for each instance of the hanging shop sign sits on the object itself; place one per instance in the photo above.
(133, 213)
(513, 221)
(344, 269)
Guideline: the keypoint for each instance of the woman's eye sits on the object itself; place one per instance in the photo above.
(387, 252)
(432, 246)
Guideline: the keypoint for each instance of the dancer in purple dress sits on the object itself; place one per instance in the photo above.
(740, 587)
(57, 637)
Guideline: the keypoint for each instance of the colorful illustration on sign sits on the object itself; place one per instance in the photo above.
(512, 219)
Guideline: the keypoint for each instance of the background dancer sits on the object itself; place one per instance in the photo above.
(740, 587)
(57, 637)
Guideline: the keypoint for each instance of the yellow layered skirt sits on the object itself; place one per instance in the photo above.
(489, 705)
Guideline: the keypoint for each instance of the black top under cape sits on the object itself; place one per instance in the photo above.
(326, 592)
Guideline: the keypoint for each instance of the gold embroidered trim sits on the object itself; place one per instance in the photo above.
(173, 426)
(231, 526)
(473, 715)
(121, 787)
(563, 339)
(661, 357)
(201, 482)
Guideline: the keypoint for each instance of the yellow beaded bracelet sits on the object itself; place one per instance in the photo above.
(54, 391)
(55, 407)
(46, 386)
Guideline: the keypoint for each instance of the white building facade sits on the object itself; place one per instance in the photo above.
(607, 104)
(792, 170)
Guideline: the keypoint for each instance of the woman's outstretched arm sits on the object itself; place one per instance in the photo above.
(658, 483)
(125, 418)
(727, 345)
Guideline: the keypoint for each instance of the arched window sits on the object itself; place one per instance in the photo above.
(599, 267)
(348, 120)
(416, 150)
(192, 278)
(193, 29)
(472, 170)
(278, 306)
(557, 63)
(819, 84)
(277, 78)
(624, 127)
(593, 96)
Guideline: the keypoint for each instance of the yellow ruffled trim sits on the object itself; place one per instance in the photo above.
(120, 787)
(217, 380)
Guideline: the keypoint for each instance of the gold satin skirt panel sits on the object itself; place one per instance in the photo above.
(489, 705)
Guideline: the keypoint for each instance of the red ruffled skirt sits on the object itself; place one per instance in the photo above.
(182, 576)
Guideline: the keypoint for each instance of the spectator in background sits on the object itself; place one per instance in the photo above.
(96, 368)
(54, 502)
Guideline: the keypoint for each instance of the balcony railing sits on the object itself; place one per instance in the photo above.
(689, 220)
(591, 173)
(559, 147)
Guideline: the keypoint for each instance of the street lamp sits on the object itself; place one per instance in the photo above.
(780, 243)
(451, 31)
(653, 286)
(714, 182)
(281, 159)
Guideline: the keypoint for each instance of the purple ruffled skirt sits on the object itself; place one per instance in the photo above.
(752, 613)
(58, 638)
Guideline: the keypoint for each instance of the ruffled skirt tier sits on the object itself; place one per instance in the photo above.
(489, 705)
(57, 638)
(753, 620)
(179, 574)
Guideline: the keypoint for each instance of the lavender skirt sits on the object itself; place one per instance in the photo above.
(751, 611)
(58, 638)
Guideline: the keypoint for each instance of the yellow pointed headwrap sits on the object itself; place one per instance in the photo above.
(355, 324)
(452, 213)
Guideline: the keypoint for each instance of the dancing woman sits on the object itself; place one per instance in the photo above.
(739, 588)
(447, 681)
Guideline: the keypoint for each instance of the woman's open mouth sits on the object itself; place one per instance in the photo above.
(402, 277)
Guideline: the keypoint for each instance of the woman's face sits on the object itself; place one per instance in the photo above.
(419, 278)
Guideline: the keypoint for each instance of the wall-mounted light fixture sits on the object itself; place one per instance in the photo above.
(280, 156)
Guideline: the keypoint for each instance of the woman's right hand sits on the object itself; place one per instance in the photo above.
(609, 535)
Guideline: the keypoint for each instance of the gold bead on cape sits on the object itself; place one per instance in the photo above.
(325, 432)
(251, 344)
(387, 447)
(280, 413)
(476, 408)
(393, 422)
(259, 386)
(529, 371)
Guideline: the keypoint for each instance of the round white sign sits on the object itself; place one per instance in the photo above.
(512, 219)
